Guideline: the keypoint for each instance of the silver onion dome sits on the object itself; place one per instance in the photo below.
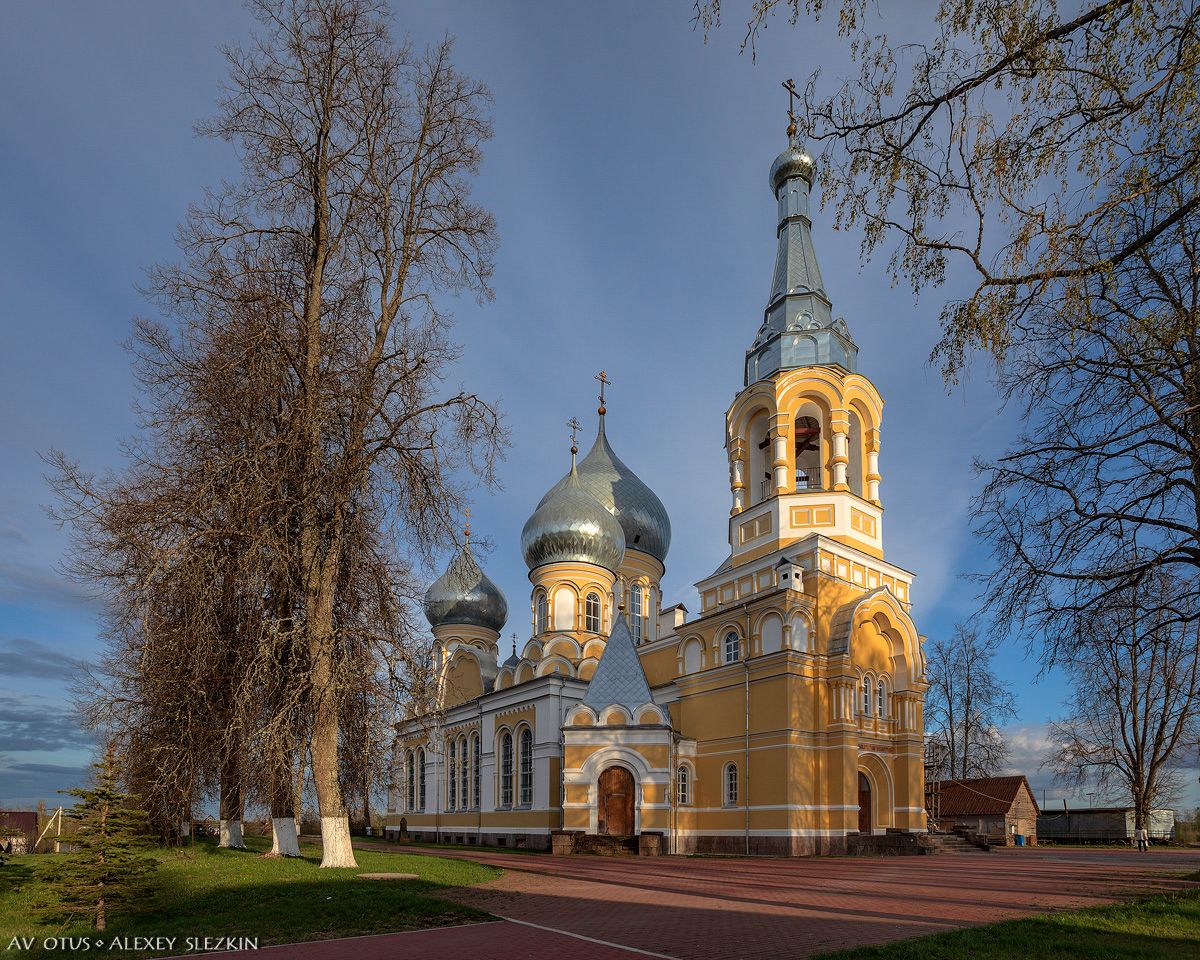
(465, 594)
(793, 162)
(642, 516)
(572, 525)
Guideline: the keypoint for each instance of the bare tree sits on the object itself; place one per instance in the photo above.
(965, 706)
(1014, 142)
(355, 155)
(1134, 708)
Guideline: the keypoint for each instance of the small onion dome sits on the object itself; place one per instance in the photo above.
(572, 525)
(793, 162)
(642, 516)
(465, 594)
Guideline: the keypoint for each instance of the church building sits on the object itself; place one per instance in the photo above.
(785, 717)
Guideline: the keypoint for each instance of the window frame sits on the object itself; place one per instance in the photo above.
(410, 782)
(731, 652)
(881, 699)
(476, 763)
(637, 613)
(506, 769)
(683, 784)
(593, 619)
(730, 785)
(452, 771)
(541, 612)
(525, 768)
(421, 779)
(868, 695)
(464, 775)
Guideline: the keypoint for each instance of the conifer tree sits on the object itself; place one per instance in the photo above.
(109, 866)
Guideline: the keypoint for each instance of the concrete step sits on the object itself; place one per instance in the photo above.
(603, 845)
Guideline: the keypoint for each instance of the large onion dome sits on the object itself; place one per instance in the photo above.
(572, 525)
(642, 516)
(465, 594)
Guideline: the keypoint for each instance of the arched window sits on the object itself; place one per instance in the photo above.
(410, 794)
(526, 767)
(464, 775)
(881, 699)
(421, 780)
(685, 784)
(808, 454)
(592, 613)
(506, 770)
(542, 612)
(452, 768)
(731, 785)
(866, 696)
(476, 756)
(637, 612)
(733, 647)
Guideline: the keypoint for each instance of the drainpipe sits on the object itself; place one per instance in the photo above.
(562, 764)
(477, 768)
(746, 701)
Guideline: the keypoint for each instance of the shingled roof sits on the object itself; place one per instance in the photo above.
(619, 677)
(980, 796)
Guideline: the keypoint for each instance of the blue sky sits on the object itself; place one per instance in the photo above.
(628, 176)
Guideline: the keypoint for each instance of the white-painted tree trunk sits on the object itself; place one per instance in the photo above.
(335, 839)
(231, 835)
(284, 841)
(185, 830)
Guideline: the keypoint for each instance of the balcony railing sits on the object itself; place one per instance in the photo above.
(808, 478)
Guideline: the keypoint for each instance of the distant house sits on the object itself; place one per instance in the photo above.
(1102, 825)
(999, 808)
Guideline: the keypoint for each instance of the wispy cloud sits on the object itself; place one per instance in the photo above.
(33, 723)
(20, 657)
(32, 586)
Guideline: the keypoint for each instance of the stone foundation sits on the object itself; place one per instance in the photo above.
(780, 846)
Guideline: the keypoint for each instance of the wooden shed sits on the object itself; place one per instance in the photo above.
(999, 808)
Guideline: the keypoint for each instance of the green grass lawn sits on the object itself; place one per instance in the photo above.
(1162, 927)
(204, 891)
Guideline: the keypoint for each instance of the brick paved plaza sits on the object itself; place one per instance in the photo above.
(705, 909)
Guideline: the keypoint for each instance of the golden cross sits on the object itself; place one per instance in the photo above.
(467, 528)
(793, 96)
(574, 424)
(604, 381)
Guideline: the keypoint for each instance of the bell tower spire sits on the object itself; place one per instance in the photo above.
(798, 327)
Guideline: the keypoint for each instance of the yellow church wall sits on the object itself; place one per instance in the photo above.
(462, 681)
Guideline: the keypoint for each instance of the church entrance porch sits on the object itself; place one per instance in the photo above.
(615, 795)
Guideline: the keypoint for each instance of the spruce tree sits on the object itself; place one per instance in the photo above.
(109, 865)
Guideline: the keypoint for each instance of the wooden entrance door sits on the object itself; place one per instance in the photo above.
(864, 804)
(615, 798)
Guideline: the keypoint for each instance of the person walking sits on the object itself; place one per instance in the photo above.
(1142, 838)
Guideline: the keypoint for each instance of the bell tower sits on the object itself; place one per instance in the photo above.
(803, 435)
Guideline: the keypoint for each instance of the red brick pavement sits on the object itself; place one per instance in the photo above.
(500, 940)
(712, 909)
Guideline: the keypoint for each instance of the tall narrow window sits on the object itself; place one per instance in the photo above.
(542, 612)
(410, 794)
(685, 784)
(464, 775)
(526, 768)
(637, 612)
(866, 696)
(733, 647)
(476, 756)
(452, 767)
(506, 770)
(421, 779)
(731, 785)
(592, 613)
(881, 699)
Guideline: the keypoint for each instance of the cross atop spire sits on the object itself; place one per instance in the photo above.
(467, 524)
(602, 377)
(573, 425)
(790, 86)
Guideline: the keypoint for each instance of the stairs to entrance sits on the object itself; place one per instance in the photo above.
(603, 845)
(953, 843)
